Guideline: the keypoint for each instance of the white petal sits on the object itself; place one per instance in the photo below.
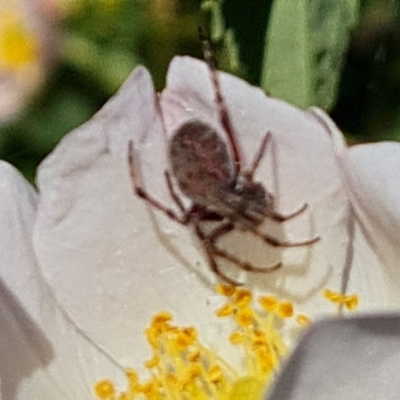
(368, 173)
(110, 262)
(352, 359)
(42, 355)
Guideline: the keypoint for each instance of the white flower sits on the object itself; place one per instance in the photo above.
(352, 359)
(95, 262)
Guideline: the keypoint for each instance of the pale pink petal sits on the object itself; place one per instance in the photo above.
(369, 178)
(354, 359)
(112, 262)
(43, 355)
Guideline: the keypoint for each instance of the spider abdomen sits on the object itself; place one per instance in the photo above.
(200, 162)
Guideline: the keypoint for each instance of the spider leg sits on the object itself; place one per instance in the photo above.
(244, 265)
(259, 156)
(222, 230)
(209, 251)
(277, 243)
(212, 251)
(174, 195)
(224, 117)
(276, 216)
(138, 189)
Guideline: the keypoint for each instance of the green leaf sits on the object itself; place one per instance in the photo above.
(305, 46)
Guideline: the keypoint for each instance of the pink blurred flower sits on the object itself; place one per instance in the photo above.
(28, 47)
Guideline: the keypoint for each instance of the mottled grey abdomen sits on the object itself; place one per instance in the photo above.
(200, 161)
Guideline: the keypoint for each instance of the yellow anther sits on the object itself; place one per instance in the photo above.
(268, 303)
(131, 374)
(105, 390)
(351, 302)
(225, 311)
(332, 296)
(150, 389)
(161, 318)
(152, 337)
(226, 290)
(215, 374)
(258, 343)
(285, 309)
(194, 356)
(236, 337)
(245, 317)
(186, 337)
(153, 362)
(243, 297)
(259, 334)
(195, 370)
(303, 319)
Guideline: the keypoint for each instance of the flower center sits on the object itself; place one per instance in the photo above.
(181, 367)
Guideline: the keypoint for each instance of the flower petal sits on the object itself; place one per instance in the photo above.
(111, 263)
(43, 355)
(352, 358)
(370, 172)
(370, 182)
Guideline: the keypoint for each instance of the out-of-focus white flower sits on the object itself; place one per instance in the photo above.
(98, 262)
(28, 45)
(352, 359)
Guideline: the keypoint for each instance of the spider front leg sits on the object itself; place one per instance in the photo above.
(209, 252)
(142, 193)
(275, 216)
(223, 229)
(212, 251)
(278, 243)
(278, 217)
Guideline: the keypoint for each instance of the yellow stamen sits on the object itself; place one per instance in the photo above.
(349, 301)
(226, 290)
(105, 390)
(225, 311)
(236, 337)
(243, 297)
(303, 319)
(182, 368)
(285, 309)
(244, 317)
(269, 303)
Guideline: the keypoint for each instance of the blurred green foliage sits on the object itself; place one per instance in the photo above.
(342, 55)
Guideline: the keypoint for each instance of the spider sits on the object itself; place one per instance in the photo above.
(220, 191)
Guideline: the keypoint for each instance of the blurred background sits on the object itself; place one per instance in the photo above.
(60, 60)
